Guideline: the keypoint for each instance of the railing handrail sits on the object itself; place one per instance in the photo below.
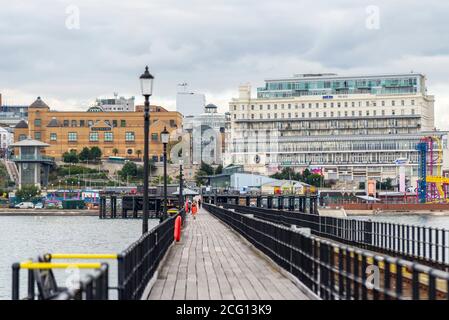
(426, 244)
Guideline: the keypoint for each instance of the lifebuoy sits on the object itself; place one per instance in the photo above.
(178, 229)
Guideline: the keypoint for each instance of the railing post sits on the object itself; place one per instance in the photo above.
(31, 284)
(121, 276)
(15, 281)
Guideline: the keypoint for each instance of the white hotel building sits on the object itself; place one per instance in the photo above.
(352, 128)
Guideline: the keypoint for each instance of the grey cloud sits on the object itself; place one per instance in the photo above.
(212, 45)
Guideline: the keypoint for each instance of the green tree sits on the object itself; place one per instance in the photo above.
(115, 151)
(139, 153)
(95, 153)
(70, 157)
(84, 155)
(219, 169)
(314, 179)
(27, 192)
(128, 170)
(207, 168)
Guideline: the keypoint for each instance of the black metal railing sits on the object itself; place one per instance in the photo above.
(136, 267)
(138, 263)
(425, 244)
(337, 271)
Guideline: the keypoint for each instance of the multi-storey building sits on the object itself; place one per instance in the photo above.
(116, 104)
(353, 128)
(205, 136)
(115, 133)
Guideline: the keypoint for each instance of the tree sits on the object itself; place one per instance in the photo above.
(139, 153)
(206, 168)
(219, 169)
(128, 170)
(70, 157)
(84, 154)
(115, 151)
(27, 192)
(95, 153)
(314, 179)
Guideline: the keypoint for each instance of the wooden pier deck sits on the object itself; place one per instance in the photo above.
(213, 262)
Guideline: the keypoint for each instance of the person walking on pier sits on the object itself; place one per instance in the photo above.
(199, 203)
(194, 210)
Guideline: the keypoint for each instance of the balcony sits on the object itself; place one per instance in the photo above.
(32, 158)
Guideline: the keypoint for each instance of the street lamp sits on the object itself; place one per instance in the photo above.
(146, 86)
(181, 200)
(165, 135)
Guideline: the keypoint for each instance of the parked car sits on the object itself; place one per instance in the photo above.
(24, 205)
(39, 205)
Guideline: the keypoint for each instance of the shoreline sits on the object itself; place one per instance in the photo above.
(42, 212)
(442, 213)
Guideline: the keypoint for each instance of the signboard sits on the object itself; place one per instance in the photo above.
(328, 97)
(100, 128)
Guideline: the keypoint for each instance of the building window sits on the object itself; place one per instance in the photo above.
(53, 136)
(235, 116)
(402, 102)
(108, 136)
(393, 112)
(392, 103)
(72, 136)
(22, 137)
(114, 123)
(275, 107)
(261, 107)
(383, 112)
(413, 111)
(268, 107)
(129, 136)
(37, 135)
(82, 123)
(37, 122)
(122, 123)
(235, 108)
(65, 123)
(74, 123)
(93, 136)
(90, 123)
(129, 151)
(413, 102)
(154, 137)
(252, 107)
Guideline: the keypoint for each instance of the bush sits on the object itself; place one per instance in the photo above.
(28, 192)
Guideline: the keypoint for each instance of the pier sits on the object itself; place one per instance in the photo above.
(213, 262)
(233, 250)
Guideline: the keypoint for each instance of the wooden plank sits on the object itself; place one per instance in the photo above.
(212, 262)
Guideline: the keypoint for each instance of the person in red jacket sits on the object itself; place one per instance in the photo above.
(194, 210)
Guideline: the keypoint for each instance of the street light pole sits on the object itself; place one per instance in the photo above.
(146, 83)
(181, 200)
(165, 135)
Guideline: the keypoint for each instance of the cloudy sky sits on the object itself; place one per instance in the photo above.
(212, 45)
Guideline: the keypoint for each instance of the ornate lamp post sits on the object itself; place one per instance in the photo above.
(165, 135)
(146, 85)
(181, 198)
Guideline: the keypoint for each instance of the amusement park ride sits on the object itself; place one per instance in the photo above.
(432, 186)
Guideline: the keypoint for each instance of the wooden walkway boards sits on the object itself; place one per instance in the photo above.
(212, 262)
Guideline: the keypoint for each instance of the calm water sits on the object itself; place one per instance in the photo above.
(26, 237)
(420, 220)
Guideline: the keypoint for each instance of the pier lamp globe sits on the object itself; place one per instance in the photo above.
(165, 136)
(146, 83)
